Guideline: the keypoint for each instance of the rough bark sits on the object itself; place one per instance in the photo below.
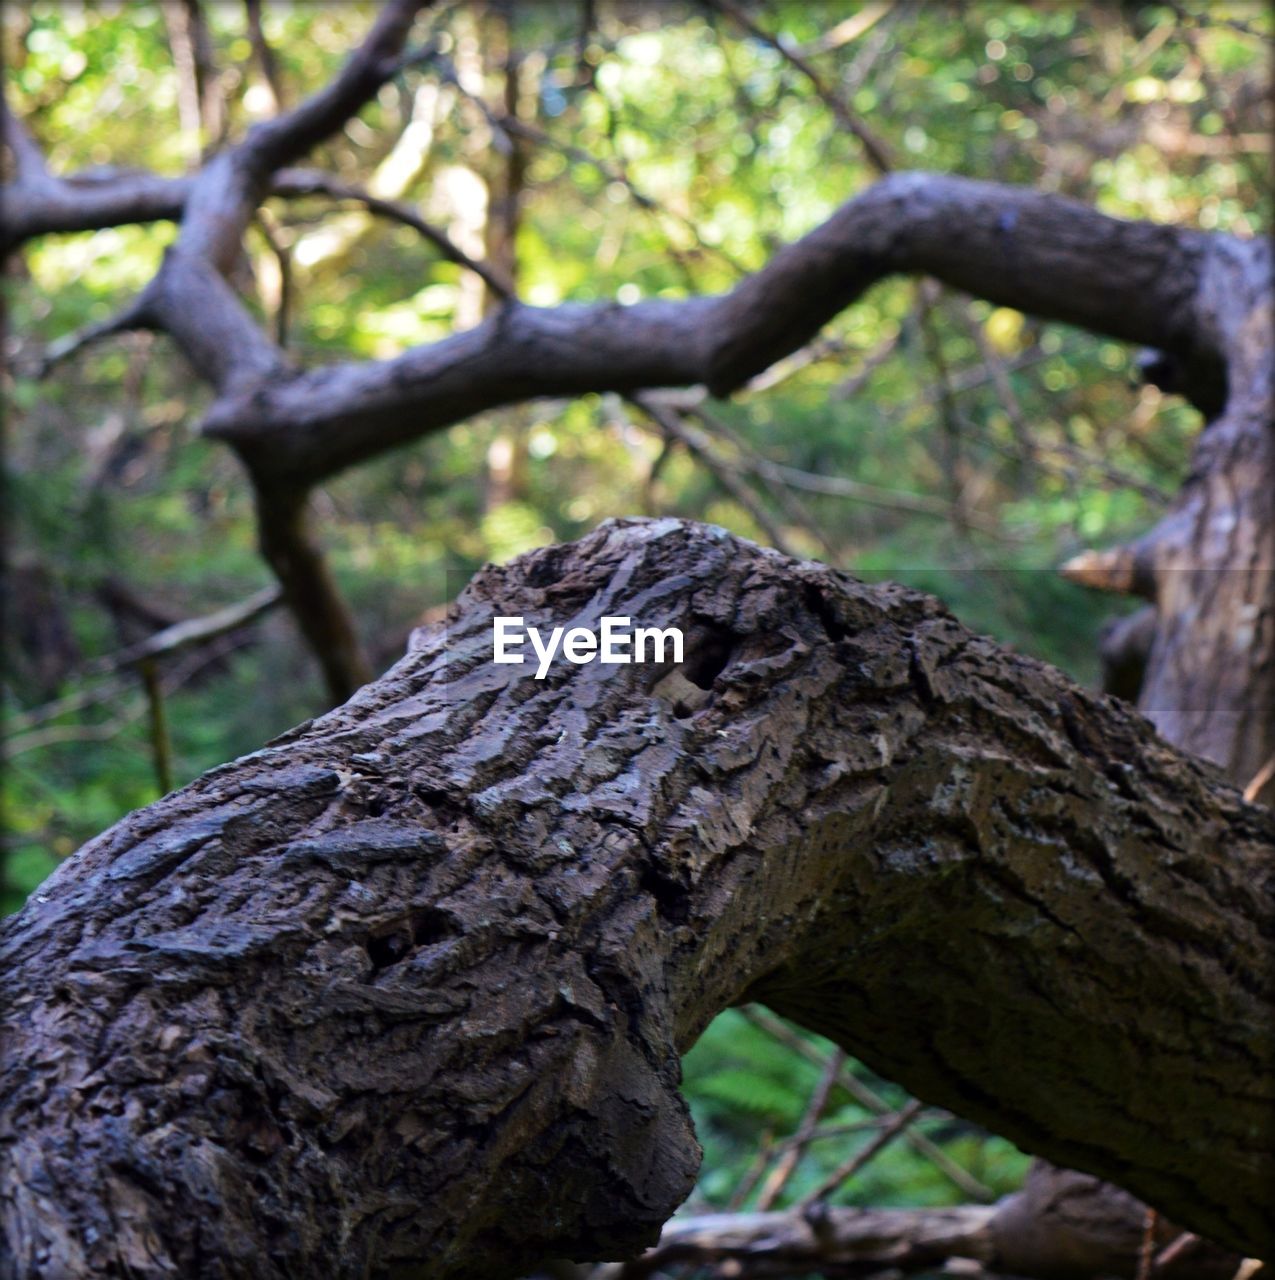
(1201, 300)
(404, 992)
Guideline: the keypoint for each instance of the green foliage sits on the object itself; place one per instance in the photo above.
(740, 1081)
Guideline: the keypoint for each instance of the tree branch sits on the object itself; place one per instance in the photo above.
(311, 593)
(1040, 253)
(1061, 1226)
(671, 424)
(232, 184)
(847, 119)
(293, 183)
(289, 136)
(530, 897)
(193, 631)
(794, 1242)
(267, 63)
(133, 316)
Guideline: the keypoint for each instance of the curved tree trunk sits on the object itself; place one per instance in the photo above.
(404, 992)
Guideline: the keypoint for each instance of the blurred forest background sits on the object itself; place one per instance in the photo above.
(590, 152)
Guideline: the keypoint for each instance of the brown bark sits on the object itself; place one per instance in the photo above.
(1202, 301)
(288, 546)
(404, 992)
(1040, 253)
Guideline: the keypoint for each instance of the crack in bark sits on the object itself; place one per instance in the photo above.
(378, 1028)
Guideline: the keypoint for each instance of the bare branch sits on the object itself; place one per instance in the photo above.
(309, 589)
(778, 1177)
(892, 1241)
(40, 203)
(379, 58)
(1258, 781)
(267, 63)
(103, 675)
(231, 185)
(785, 498)
(1121, 570)
(282, 255)
(311, 182)
(846, 31)
(1081, 1240)
(199, 100)
(670, 423)
(515, 129)
(1040, 253)
(28, 160)
(872, 1101)
(23, 732)
(193, 302)
(844, 1172)
(195, 631)
(133, 316)
(872, 145)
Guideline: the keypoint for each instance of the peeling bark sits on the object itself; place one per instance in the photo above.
(404, 992)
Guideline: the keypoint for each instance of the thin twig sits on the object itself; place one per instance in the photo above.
(846, 1171)
(133, 316)
(845, 32)
(267, 63)
(783, 495)
(872, 145)
(1259, 780)
(783, 1170)
(283, 261)
(314, 182)
(927, 294)
(671, 424)
(1146, 1250)
(513, 128)
(753, 1174)
(161, 745)
(193, 631)
(870, 1100)
(61, 734)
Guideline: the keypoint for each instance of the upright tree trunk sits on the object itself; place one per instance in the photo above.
(1209, 568)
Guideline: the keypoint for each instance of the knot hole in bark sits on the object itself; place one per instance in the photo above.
(819, 604)
(421, 929)
(708, 655)
(688, 687)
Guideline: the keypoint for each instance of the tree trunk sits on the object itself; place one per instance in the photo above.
(404, 992)
(1209, 567)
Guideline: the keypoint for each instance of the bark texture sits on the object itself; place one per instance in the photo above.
(404, 992)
